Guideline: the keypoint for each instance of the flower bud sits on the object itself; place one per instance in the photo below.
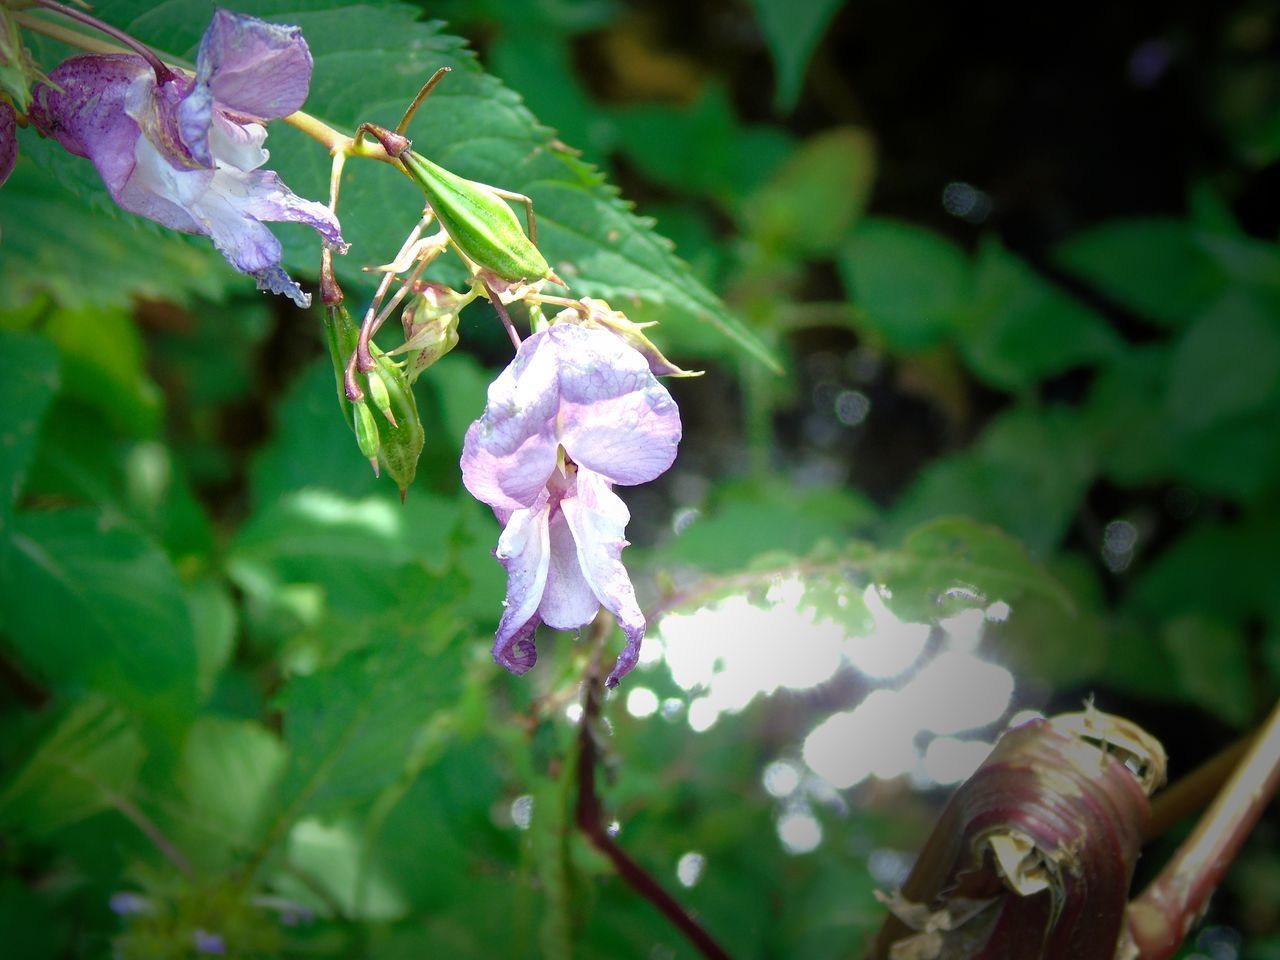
(430, 327)
(1033, 856)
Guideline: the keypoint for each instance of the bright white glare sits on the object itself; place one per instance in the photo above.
(573, 712)
(948, 760)
(965, 629)
(737, 650)
(877, 738)
(651, 651)
(799, 831)
(522, 811)
(781, 778)
(955, 692)
(672, 707)
(998, 612)
(689, 868)
(891, 647)
(642, 702)
(702, 714)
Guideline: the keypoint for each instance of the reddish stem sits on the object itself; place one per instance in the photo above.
(1160, 918)
(163, 73)
(590, 818)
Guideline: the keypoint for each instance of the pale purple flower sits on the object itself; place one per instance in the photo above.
(575, 412)
(185, 152)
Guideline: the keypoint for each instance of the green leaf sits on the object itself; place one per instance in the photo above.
(1130, 434)
(227, 782)
(311, 445)
(1021, 328)
(88, 764)
(351, 728)
(955, 561)
(808, 206)
(1027, 474)
(91, 606)
(792, 29)
(751, 520)
(92, 256)
(346, 548)
(1211, 662)
(910, 282)
(1226, 363)
(104, 367)
(29, 370)
(1156, 268)
(1222, 571)
(214, 623)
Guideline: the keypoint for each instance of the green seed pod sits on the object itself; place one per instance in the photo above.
(366, 432)
(401, 435)
(479, 222)
(379, 395)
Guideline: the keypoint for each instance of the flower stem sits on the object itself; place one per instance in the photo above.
(163, 73)
(590, 818)
(1158, 920)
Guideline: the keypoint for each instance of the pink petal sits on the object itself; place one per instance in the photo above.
(509, 453)
(524, 550)
(616, 418)
(598, 520)
(568, 601)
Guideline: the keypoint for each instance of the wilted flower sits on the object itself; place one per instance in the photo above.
(575, 412)
(185, 151)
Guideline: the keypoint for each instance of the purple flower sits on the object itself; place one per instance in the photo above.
(185, 151)
(575, 412)
(8, 140)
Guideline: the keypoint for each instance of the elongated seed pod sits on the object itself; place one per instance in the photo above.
(479, 222)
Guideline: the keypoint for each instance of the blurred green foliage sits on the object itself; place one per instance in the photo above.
(240, 682)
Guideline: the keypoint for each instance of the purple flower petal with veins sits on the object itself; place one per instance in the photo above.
(186, 152)
(587, 392)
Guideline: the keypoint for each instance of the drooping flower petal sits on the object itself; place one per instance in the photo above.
(587, 391)
(598, 520)
(524, 550)
(568, 601)
(8, 140)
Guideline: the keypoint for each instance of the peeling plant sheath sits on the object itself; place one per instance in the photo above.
(1033, 856)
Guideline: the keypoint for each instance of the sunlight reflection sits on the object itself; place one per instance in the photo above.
(724, 656)
(689, 868)
(781, 778)
(948, 760)
(799, 830)
(642, 702)
(892, 646)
